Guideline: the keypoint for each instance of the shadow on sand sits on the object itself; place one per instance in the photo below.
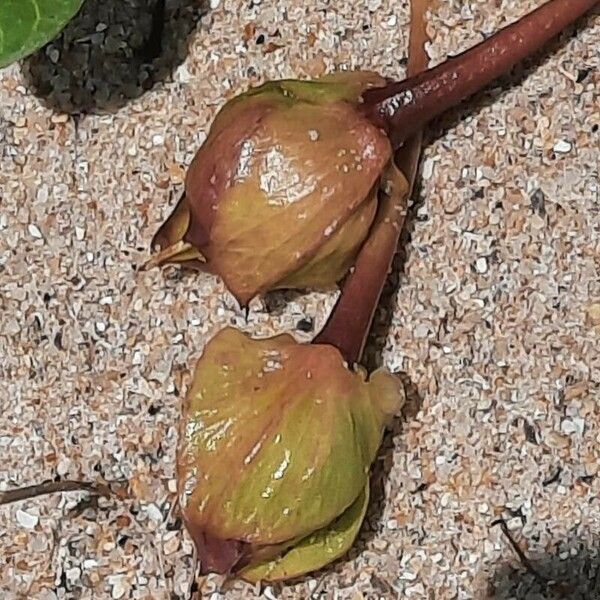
(112, 52)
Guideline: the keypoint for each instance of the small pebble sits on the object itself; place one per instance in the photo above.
(427, 170)
(59, 119)
(53, 55)
(268, 593)
(118, 590)
(171, 545)
(154, 513)
(481, 265)
(27, 520)
(562, 147)
(34, 231)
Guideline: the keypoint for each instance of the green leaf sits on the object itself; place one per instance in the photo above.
(26, 25)
(316, 550)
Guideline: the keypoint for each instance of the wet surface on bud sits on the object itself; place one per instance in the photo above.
(284, 190)
(276, 446)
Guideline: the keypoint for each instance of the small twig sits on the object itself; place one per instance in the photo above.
(522, 556)
(53, 487)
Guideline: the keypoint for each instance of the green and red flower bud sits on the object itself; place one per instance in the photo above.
(284, 190)
(277, 442)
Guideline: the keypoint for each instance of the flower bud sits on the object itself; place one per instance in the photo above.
(284, 189)
(273, 463)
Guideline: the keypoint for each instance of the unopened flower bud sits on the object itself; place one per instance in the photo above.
(275, 453)
(284, 189)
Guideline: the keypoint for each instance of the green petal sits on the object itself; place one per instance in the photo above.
(336, 255)
(315, 551)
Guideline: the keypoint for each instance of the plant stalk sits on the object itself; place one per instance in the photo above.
(350, 321)
(405, 107)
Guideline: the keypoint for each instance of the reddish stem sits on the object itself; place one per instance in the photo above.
(348, 325)
(350, 321)
(404, 107)
(433, 92)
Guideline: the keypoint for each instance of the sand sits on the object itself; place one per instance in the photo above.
(493, 313)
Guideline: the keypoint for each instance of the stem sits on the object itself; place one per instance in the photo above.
(348, 325)
(405, 107)
(53, 487)
(350, 321)
(430, 93)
